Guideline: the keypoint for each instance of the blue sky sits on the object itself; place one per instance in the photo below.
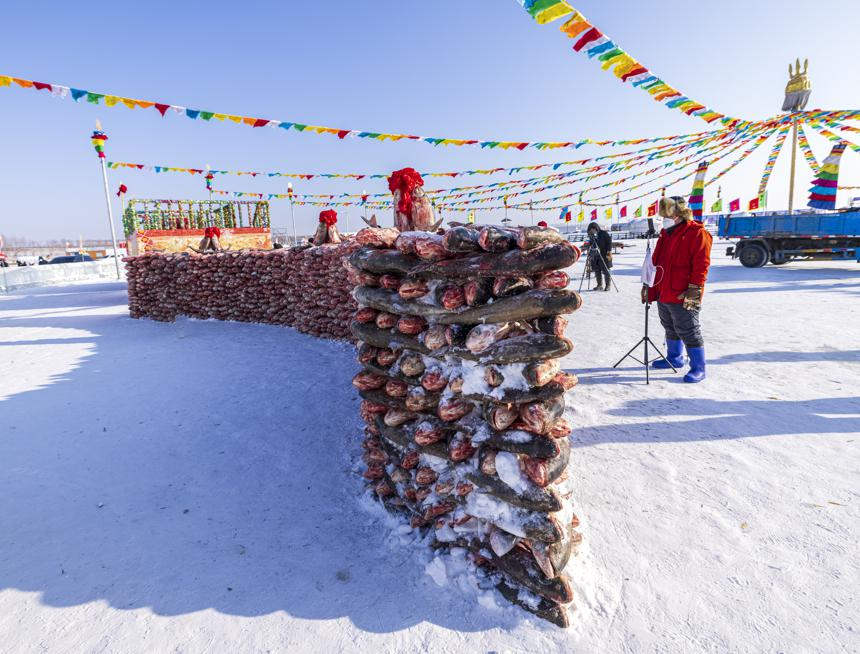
(478, 69)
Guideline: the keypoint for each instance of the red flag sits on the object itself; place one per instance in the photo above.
(753, 204)
(652, 209)
(594, 214)
(735, 205)
(624, 211)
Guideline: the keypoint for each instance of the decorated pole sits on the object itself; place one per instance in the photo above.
(98, 141)
(364, 203)
(793, 165)
(292, 215)
(797, 93)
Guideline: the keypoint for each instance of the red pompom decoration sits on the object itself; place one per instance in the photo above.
(329, 217)
(122, 189)
(542, 223)
(211, 232)
(405, 181)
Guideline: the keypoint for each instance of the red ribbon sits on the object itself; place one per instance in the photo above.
(329, 217)
(211, 232)
(405, 181)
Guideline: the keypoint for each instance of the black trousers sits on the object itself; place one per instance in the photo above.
(681, 324)
(598, 265)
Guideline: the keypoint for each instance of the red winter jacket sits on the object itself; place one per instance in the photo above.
(682, 257)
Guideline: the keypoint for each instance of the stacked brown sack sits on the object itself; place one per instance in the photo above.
(303, 287)
(463, 396)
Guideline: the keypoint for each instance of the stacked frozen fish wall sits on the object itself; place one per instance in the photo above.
(304, 287)
(460, 336)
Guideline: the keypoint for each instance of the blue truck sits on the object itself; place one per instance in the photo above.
(780, 237)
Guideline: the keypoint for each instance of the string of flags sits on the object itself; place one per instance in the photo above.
(806, 149)
(645, 154)
(113, 100)
(599, 45)
(772, 157)
(596, 45)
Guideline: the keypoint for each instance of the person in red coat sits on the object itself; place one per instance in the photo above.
(682, 257)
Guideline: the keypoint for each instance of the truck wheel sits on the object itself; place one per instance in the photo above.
(753, 255)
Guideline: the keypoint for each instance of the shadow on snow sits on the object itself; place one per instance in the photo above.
(207, 486)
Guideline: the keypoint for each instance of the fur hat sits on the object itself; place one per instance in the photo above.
(675, 206)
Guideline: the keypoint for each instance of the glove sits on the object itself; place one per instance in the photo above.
(644, 294)
(692, 297)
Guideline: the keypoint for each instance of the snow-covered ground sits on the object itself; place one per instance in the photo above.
(192, 486)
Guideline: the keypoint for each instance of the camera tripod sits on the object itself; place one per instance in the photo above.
(645, 341)
(586, 271)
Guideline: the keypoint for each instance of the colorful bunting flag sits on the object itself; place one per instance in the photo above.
(623, 213)
(735, 205)
(822, 194)
(652, 209)
(594, 214)
(717, 206)
(608, 213)
(638, 212)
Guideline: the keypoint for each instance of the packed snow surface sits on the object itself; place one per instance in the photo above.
(195, 486)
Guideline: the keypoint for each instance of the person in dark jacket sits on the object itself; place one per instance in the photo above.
(599, 254)
(682, 257)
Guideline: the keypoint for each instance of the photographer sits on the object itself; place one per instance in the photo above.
(599, 254)
(682, 257)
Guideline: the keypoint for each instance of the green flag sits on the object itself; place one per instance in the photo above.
(717, 206)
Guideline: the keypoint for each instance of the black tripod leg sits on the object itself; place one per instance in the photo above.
(629, 352)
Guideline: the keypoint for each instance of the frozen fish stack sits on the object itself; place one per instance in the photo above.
(304, 287)
(460, 336)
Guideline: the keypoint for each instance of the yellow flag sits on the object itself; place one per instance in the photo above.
(608, 213)
(471, 217)
(581, 216)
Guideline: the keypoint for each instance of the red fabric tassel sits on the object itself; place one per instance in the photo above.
(122, 189)
(329, 217)
(209, 232)
(405, 180)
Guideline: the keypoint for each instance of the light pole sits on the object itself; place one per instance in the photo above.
(292, 214)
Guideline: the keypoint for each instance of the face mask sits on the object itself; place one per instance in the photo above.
(668, 222)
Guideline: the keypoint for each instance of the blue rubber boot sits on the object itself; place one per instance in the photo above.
(697, 365)
(675, 354)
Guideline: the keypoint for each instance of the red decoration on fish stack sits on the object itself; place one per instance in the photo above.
(327, 230)
(412, 208)
(460, 336)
